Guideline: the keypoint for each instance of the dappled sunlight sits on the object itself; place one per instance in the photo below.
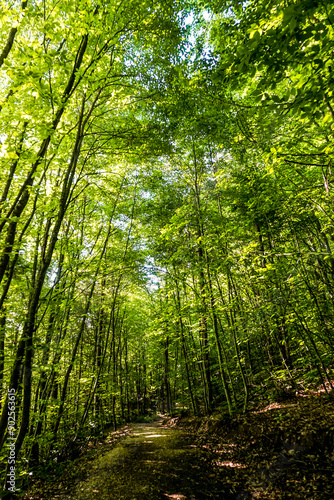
(155, 461)
(156, 436)
(144, 466)
(175, 496)
(226, 448)
(273, 406)
(236, 465)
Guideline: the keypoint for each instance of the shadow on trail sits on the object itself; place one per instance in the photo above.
(154, 463)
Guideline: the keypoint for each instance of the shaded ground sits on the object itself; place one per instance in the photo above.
(152, 463)
(281, 451)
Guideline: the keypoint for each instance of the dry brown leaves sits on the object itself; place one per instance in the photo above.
(280, 451)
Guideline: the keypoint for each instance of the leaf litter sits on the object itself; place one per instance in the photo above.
(274, 452)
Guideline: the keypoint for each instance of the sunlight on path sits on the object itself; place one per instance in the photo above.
(154, 463)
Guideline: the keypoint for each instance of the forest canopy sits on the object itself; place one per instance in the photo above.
(166, 212)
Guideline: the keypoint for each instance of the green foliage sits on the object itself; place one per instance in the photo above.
(166, 212)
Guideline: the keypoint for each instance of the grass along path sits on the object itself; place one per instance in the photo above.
(154, 462)
(283, 451)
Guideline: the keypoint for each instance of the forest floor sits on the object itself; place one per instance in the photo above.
(281, 451)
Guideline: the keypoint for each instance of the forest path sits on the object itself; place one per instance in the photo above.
(153, 463)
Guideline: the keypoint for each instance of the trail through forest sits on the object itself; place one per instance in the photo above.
(153, 462)
(282, 451)
(167, 247)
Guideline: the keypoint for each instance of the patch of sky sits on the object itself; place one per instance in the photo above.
(153, 274)
(196, 30)
(121, 222)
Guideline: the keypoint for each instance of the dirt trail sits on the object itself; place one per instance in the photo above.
(283, 451)
(153, 463)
